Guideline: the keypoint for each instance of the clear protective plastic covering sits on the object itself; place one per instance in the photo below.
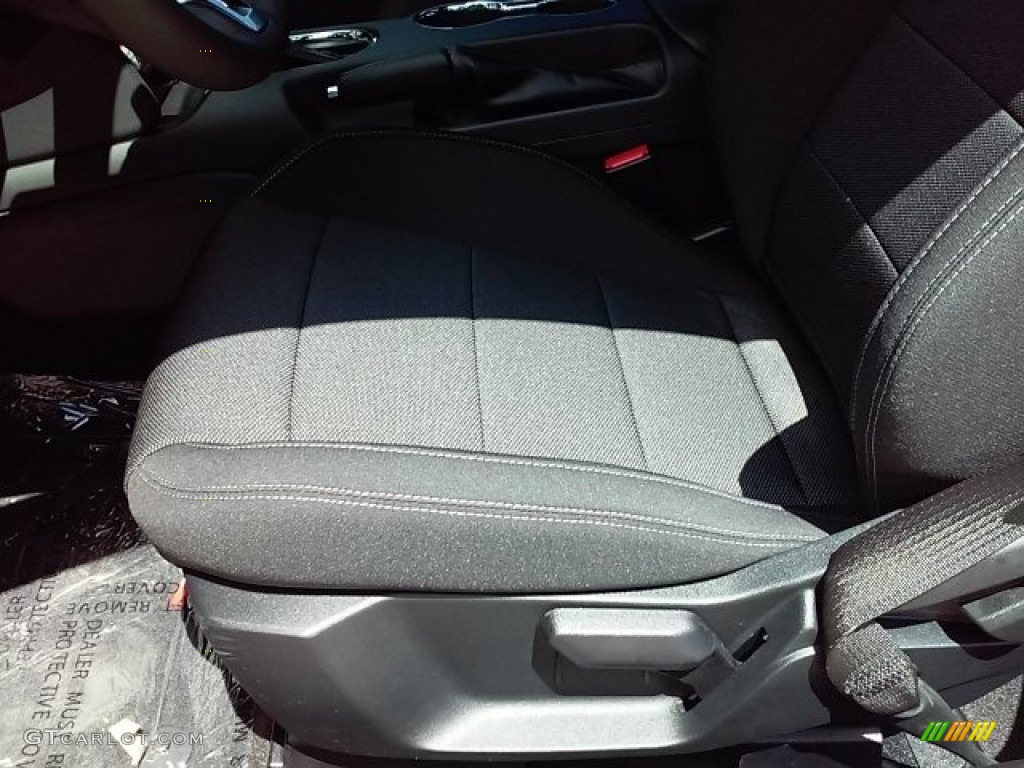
(100, 663)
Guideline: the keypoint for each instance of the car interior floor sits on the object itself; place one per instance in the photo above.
(95, 633)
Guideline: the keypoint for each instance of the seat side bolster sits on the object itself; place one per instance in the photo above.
(388, 517)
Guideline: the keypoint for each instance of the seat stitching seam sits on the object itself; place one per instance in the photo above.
(853, 205)
(514, 506)
(897, 288)
(943, 270)
(885, 381)
(625, 473)
(454, 513)
(290, 425)
(622, 371)
(760, 398)
(875, 404)
(874, 414)
(956, 65)
(476, 349)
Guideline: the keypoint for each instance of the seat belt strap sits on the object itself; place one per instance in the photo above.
(900, 559)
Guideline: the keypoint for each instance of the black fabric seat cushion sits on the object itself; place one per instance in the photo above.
(426, 362)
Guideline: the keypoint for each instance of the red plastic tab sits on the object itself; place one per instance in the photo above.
(176, 602)
(627, 159)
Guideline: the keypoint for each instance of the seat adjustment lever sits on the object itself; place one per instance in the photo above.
(612, 638)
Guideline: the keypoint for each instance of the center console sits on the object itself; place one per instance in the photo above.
(604, 84)
(578, 77)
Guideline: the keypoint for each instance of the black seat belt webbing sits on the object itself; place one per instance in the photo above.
(898, 560)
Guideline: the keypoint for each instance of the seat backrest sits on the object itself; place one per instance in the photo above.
(875, 155)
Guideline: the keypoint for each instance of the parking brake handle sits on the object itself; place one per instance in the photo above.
(397, 80)
(462, 80)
